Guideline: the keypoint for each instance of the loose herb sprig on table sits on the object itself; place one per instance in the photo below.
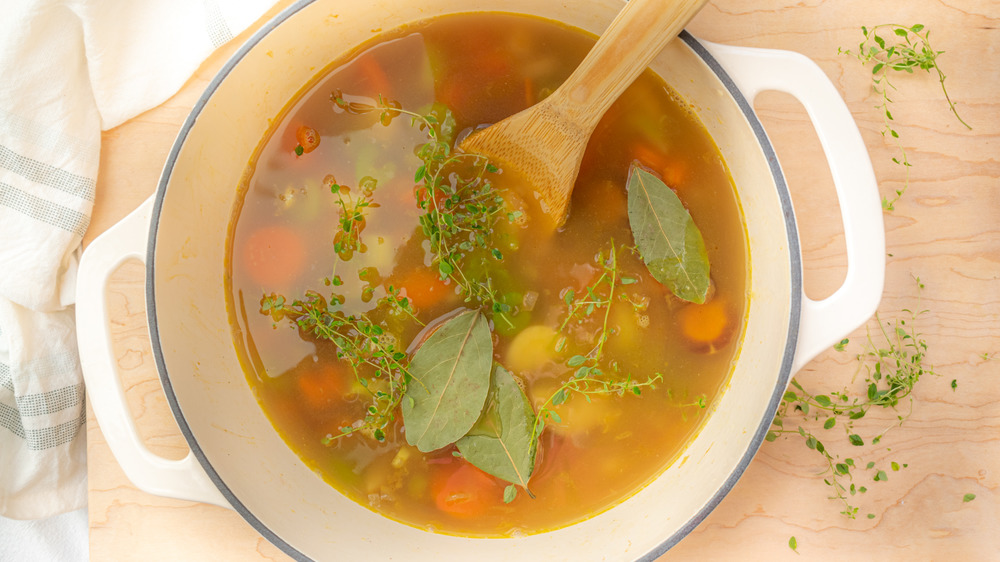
(906, 49)
(893, 363)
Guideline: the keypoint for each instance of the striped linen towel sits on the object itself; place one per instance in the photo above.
(68, 70)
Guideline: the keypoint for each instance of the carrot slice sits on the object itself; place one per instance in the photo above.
(274, 256)
(320, 388)
(307, 138)
(424, 288)
(423, 196)
(373, 76)
(466, 491)
(672, 171)
(705, 324)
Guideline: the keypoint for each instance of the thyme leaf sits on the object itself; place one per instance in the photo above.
(893, 363)
(902, 50)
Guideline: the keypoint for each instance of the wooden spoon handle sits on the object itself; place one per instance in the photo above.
(640, 31)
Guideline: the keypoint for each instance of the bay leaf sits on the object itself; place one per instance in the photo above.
(450, 380)
(500, 443)
(667, 238)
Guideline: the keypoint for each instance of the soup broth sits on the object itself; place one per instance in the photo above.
(331, 245)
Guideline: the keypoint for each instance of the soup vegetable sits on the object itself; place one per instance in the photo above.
(423, 339)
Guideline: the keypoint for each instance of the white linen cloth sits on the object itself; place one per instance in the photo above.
(68, 70)
(60, 538)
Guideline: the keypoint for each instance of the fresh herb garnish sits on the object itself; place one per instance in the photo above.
(588, 380)
(700, 402)
(596, 298)
(361, 343)
(968, 498)
(902, 50)
(667, 238)
(893, 360)
(460, 203)
(592, 307)
(509, 493)
(353, 212)
(400, 304)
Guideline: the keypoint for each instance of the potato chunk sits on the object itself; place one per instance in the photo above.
(531, 349)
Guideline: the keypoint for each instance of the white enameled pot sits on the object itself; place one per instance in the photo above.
(237, 459)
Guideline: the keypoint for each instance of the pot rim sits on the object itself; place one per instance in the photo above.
(795, 253)
(759, 434)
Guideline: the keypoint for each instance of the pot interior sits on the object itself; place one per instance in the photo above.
(236, 443)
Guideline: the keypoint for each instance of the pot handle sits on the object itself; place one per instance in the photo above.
(182, 479)
(825, 322)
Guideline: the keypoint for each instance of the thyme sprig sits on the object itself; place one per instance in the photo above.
(588, 380)
(352, 214)
(593, 305)
(461, 204)
(361, 343)
(893, 361)
(906, 49)
(597, 298)
(400, 304)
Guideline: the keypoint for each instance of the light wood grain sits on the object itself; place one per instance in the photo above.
(945, 230)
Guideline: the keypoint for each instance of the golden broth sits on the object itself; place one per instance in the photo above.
(485, 67)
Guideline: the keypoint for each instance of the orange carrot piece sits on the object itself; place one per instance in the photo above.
(321, 387)
(423, 196)
(466, 491)
(671, 171)
(705, 324)
(307, 138)
(373, 76)
(424, 288)
(274, 256)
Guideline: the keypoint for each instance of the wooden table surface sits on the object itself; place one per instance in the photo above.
(945, 230)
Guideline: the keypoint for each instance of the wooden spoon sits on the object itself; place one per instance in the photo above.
(545, 143)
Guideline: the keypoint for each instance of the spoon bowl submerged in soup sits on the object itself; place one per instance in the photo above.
(432, 350)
